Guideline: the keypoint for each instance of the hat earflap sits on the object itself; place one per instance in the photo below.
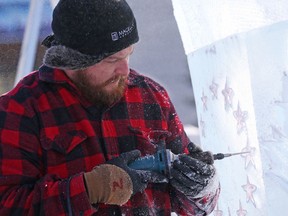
(63, 57)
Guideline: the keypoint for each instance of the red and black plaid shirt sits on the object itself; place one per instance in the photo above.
(50, 135)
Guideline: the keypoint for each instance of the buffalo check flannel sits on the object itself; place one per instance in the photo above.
(50, 136)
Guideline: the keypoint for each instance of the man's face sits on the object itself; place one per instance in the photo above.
(104, 82)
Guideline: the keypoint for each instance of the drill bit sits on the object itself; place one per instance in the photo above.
(220, 156)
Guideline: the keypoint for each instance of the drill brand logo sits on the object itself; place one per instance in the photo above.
(123, 33)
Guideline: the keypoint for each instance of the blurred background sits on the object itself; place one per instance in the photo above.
(13, 19)
(159, 54)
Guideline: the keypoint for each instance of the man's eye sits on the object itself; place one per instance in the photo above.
(111, 60)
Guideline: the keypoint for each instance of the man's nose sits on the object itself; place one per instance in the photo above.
(123, 67)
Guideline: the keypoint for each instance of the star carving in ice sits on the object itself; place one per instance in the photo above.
(248, 156)
(218, 212)
(228, 94)
(214, 89)
(249, 189)
(229, 212)
(277, 132)
(202, 126)
(204, 100)
(241, 117)
(241, 211)
(211, 49)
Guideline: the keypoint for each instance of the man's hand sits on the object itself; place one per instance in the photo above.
(191, 176)
(114, 182)
(197, 153)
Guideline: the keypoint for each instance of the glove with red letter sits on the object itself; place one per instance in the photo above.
(114, 182)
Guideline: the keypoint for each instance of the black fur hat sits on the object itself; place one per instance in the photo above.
(87, 31)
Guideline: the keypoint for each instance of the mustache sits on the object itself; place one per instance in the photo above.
(113, 79)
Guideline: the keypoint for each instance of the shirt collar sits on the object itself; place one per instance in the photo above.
(53, 75)
(134, 78)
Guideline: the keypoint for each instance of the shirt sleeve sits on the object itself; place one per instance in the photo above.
(201, 206)
(181, 204)
(25, 189)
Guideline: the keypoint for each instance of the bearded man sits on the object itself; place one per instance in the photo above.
(69, 130)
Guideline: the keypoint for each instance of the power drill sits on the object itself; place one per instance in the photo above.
(162, 160)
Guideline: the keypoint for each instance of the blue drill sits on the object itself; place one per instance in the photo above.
(159, 162)
(162, 160)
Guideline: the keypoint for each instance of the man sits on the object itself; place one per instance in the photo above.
(69, 131)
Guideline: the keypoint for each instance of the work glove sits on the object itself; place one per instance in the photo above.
(192, 177)
(197, 153)
(114, 182)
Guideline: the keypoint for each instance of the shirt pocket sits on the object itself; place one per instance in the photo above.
(150, 139)
(64, 143)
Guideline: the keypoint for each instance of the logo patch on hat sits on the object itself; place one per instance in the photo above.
(118, 35)
(114, 36)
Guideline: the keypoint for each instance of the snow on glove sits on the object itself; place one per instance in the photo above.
(197, 153)
(191, 176)
(114, 182)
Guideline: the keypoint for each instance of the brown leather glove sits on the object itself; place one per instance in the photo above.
(108, 184)
(115, 182)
